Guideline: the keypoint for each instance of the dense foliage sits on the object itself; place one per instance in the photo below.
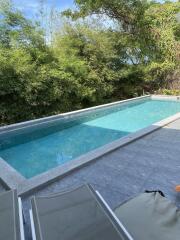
(105, 50)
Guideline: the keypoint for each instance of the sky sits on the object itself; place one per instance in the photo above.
(31, 7)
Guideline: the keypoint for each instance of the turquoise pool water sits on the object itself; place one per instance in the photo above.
(34, 151)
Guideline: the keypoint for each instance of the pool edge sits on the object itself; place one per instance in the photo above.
(9, 176)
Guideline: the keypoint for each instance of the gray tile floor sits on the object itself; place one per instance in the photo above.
(152, 162)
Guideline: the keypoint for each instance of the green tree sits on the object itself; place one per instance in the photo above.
(27, 68)
(165, 33)
(151, 34)
(88, 56)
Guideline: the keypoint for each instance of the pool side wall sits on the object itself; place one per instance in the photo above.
(165, 98)
(13, 179)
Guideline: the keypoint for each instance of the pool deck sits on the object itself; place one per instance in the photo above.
(151, 162)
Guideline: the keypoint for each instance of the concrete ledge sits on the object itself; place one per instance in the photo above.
(168, 120)
(9, 177)
(165, 97)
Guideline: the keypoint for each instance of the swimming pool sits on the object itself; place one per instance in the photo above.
(33, 150)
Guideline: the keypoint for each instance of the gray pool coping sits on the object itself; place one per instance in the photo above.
(9, 177)
(165, 97)
(13, 179)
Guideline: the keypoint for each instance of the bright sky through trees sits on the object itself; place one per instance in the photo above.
(31, 7)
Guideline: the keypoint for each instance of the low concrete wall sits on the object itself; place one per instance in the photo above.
(10, 178)
(165, 97)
